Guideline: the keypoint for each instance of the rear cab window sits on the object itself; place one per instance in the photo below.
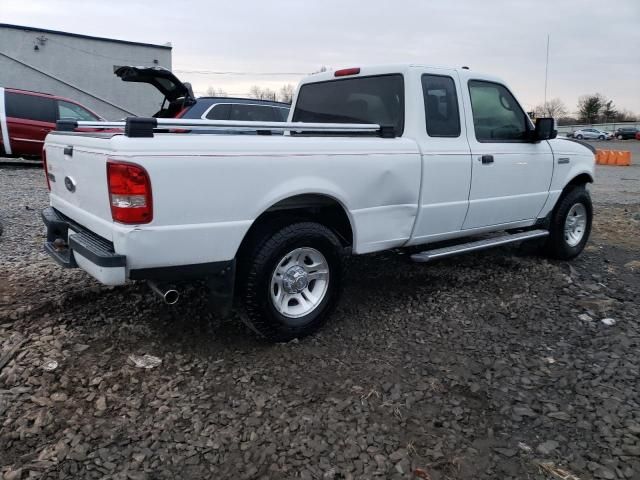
(30, 107)
(372, 99)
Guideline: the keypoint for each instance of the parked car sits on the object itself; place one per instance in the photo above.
(27, 117)
(180, 102)
(638, 135)
(376, 158)
(592, 134)
(626, 133)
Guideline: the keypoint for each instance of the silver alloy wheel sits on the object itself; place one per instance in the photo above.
(299, 282)
(575, 224)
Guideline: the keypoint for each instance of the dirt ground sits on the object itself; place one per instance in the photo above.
(496, 365)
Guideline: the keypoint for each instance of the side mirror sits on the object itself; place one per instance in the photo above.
(545, 129)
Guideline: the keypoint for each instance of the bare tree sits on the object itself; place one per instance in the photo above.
(626, 116)
(553, 108)
(213, 92)
(286, 93)
(262, 93)
(255, 92)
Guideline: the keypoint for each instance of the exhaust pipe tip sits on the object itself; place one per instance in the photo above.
(171, 297)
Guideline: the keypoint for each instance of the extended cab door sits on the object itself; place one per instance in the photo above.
(510, 175)
(445, 154)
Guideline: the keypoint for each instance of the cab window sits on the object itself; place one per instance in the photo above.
(441, 106)
(497, 116)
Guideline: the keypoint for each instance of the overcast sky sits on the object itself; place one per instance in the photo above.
(595, 45)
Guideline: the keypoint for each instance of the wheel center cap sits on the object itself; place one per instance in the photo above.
(295, 279)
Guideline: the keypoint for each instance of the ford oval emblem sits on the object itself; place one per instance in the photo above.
(70, 183)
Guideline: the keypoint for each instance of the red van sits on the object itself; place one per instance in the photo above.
(26, 118)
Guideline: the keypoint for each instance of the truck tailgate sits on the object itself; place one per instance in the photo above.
(77, 173)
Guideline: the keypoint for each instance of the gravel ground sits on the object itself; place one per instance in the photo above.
(490, 366)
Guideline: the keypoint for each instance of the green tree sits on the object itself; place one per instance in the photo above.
(589, 107)
(609, 112)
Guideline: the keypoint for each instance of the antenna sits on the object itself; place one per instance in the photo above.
(546, 73)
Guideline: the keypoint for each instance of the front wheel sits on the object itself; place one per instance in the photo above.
(292, 279)
(570, 224)
(601, 137)
(619, 137)
(579, 137)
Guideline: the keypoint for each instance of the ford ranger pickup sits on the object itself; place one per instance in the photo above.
(372, 158)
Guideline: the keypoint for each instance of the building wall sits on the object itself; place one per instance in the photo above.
(80, 69)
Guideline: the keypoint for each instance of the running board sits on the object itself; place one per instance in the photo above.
(429, 255)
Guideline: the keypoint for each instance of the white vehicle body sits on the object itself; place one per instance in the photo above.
(208, 190)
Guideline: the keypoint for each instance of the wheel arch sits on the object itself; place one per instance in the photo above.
(323, 208)
(580, 179)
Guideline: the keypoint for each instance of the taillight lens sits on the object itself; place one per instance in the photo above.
(129, 193)
(46, 169)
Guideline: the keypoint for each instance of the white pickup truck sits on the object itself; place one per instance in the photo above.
(372, 159)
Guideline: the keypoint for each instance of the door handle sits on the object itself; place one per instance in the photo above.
(486, 159)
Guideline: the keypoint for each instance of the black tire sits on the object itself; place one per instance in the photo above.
(261, 259)
(601, 137)
(557, 245)
(579, 137)
(620, 137)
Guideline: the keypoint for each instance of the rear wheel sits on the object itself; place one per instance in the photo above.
(570, 224)
(579, 137)
(291, 281)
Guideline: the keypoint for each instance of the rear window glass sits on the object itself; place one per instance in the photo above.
(377, 99)
(30, 107)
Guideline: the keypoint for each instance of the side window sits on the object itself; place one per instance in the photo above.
(71, 110)
(281, 114)
(30, 107)
(497, 117)
(252, 113)
(219, 112)
(441, 106)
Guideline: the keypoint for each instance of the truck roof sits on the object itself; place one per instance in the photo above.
(368, 70)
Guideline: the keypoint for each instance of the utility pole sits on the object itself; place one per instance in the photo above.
(546, 73)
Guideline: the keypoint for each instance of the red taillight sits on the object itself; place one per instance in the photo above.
(346, 71)
(129, 193)
(46, 170)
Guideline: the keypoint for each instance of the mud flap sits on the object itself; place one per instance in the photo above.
(221, 288)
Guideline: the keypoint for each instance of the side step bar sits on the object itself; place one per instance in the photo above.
(429, 255)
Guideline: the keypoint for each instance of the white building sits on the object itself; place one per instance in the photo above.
(80, 67)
